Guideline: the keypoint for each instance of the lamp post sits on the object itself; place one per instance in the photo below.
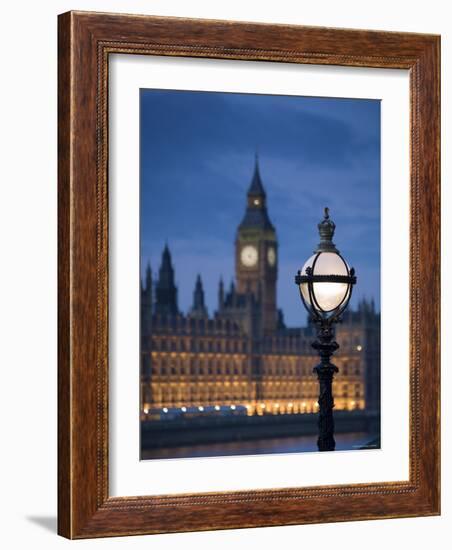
(325, 284)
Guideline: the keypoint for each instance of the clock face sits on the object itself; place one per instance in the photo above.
(271, 256)
(248, 256)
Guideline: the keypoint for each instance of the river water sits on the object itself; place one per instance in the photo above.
(280, 445)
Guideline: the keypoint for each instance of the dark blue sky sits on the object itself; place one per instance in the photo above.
(197, 160)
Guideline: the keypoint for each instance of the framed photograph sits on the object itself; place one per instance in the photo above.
(248, 275)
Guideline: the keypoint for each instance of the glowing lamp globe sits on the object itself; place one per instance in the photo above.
(326, 280)
(327, 295)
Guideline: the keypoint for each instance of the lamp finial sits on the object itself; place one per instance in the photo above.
(326, 232)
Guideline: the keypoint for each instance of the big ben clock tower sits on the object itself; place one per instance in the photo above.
(256, 258)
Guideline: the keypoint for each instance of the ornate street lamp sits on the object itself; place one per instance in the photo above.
(325, 284)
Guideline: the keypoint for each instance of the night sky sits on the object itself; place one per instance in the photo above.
(197, 160)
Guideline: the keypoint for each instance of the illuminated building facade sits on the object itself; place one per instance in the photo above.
(244, 355)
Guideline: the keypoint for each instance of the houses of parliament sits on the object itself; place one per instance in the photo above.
(243, 354)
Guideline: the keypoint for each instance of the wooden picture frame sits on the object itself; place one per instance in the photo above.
(86, 40)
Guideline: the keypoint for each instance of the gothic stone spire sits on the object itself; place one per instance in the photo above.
(166, 290)
(256, 188)
(256, 215)
(199, 308)
(220, 294)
